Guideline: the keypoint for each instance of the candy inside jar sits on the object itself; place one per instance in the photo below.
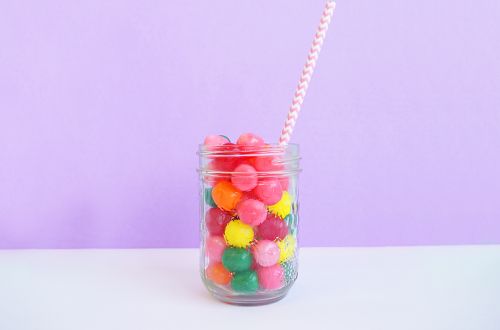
(249, 217)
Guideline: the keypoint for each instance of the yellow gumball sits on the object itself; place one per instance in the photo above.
(283, 207)
(287, 248)
(238, 234)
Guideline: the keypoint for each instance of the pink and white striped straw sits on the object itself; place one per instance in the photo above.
(307, 72)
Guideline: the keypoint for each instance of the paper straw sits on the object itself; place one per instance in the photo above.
(305, 78)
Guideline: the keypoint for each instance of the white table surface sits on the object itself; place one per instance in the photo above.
(338, 288)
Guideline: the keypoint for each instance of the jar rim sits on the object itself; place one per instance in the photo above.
(286, 155)
(234, 150)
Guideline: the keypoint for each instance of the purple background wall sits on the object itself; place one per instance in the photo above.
(102, 104)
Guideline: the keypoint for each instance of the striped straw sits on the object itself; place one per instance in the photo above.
(305, 78)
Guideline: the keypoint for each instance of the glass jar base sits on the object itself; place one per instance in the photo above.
(252, 299)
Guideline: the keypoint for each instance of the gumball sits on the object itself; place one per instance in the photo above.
(272, 228)
(252, 212)
(266, 253)
(226, 196)
(236, 259)
(244, 177)
(214, 247)
(216, 221)
(207, 194)
(283, 207)
(250, 141)
(245, 282)
(215, 140)
(238, 234)
(218, 274)
(216, 172)
(285, 182)
(287, 248)
(248, 195)
(269, 191)
(268, 164)
(246, 160)
(222, 164)
(271, 278)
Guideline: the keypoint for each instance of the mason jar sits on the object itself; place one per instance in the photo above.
(249, 221)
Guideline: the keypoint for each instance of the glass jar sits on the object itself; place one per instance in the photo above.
(249, 218)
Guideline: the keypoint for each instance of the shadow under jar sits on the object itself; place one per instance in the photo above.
(249, 218)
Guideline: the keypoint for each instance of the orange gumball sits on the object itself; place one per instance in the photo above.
(218, 274)
(226, 196)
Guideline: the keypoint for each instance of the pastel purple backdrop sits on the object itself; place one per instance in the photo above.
(103, 103)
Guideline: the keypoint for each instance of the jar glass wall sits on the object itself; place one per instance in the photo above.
(249, 218)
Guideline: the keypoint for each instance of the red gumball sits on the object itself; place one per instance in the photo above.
(216, 221)
(272, 228)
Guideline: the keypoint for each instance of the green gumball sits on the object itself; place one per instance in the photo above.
(236, 259)
(208, 197)
(245, 282)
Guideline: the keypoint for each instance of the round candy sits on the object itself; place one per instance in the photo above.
(225, 195)
(250, 140)
(238, 234)
(252, 212)
(222, 164)
(245, 282)
(266, 253)
(218, 274)
(285, 182)
(214, 168)
(248, 195)
(244, 177)
(236, 259)
(227, 159)
(207, 194)
(216, 221)
(273, 228)
(283, 207)
(269, 191)
(268, 164)
(215, 140)
(271, 278)
(287, 248)
(214, 247)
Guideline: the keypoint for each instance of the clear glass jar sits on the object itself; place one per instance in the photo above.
(249, 218)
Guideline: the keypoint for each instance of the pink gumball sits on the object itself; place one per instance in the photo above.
(252, 212)
(249, 141)
(284, 182)
(269, 191)
(266, 253)
(215, 140)
(268, 164)
(271, 278)
(244, 177)
(214, 247)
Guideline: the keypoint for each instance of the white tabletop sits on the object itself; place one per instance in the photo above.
(338, 288)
